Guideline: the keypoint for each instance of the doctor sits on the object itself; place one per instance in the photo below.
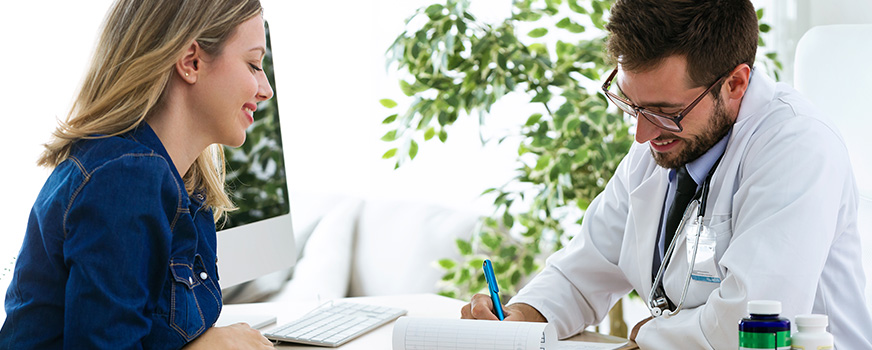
(766, 172)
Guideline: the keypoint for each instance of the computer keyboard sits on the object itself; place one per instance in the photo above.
(334, 324)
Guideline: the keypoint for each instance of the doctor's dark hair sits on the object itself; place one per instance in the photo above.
(714, 36)
(140, 42)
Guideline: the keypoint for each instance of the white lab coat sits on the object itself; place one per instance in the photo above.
(783, 205)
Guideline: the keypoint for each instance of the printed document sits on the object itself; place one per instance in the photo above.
(414, 333)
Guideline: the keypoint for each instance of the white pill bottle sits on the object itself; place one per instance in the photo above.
(812, 333)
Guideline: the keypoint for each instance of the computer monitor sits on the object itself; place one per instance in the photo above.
(258, 238)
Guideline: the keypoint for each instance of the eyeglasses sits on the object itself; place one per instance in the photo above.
(663, 121)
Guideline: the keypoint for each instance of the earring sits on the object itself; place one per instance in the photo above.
(186, 73)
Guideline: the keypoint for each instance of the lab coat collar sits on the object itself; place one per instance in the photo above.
(760, 92)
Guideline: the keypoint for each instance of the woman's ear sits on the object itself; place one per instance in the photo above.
(188, 66)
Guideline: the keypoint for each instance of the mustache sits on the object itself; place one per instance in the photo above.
(667, 136)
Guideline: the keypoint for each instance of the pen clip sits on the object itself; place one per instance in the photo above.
(489, 276)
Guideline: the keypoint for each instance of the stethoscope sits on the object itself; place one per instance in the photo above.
(657, 302)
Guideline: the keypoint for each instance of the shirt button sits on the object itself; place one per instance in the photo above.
(204, 275)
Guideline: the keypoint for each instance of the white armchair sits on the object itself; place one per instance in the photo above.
(833, 69)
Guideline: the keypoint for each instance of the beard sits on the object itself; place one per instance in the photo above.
(719, 125)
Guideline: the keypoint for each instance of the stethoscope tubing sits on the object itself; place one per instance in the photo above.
(657, 311)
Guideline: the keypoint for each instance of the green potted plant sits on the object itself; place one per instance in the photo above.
(455, 65)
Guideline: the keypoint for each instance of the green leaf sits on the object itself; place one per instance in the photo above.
(576, 28)
(429, 134)
(508, 220)
(538, 32)
(563, 23)
(447, 264)
(760, 14)
(390, 119)
(764, 28)
(390, 136)
(544, 96)
(447, 277)
(516, 277)
(464, 276)
(543, 162)
(407, 88)
(443, 136)
(463, 246)
(413, 149)
(573, 5)
(597, 7)
(533, 119)
(387, 103)
(434, 11)
(390, 153)
(528, 16)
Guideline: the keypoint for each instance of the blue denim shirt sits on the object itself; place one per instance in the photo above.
(116, 254)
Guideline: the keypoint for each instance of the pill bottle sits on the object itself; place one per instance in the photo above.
(764, 329)
(811, 333)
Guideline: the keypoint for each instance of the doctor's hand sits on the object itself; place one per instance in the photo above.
(235, 336)
(482, 308)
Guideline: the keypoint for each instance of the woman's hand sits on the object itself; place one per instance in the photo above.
(235, 336)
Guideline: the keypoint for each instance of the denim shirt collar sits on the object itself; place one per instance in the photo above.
(145, 135)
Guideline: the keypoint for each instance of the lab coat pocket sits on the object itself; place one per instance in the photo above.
(706, 273)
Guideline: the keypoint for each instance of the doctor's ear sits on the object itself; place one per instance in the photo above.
(737, 81)
(188, 66)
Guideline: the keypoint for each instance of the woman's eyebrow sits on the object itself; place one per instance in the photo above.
(259, 48)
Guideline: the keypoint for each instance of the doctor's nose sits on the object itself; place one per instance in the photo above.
(645, 130)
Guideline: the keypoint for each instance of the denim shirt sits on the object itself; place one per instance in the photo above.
(116, 254)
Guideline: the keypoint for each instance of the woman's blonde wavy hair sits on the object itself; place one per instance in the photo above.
(140, 42)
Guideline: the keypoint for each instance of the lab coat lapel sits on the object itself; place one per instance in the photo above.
(646, 205)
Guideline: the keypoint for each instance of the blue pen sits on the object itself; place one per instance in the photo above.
(493, 288)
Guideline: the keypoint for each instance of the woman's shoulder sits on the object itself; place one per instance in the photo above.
(91, 155)
(121, 163)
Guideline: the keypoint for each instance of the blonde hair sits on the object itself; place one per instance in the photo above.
(140, 42)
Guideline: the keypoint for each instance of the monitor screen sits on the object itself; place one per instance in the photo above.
(257, 239)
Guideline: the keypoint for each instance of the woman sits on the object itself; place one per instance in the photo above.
(120, 245)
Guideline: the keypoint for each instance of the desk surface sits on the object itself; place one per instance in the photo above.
(418, 305)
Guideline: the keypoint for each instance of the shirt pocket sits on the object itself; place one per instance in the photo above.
(186, 315)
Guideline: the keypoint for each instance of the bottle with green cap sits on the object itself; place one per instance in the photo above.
(764, 329)
(811, 333)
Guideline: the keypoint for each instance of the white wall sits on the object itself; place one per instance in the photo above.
(792, 18)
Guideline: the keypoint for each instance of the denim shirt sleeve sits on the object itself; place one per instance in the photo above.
(118, 235)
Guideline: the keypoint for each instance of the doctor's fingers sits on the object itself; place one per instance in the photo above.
(481, 308)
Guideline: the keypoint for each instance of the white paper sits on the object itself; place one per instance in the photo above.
(583, 345)
(413, 333)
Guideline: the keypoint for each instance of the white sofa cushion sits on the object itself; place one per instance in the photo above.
(322, 272)
(398, 243)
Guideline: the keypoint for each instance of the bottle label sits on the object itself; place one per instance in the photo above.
(776, 340)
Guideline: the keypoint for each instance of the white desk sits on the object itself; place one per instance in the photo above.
(418, 305)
